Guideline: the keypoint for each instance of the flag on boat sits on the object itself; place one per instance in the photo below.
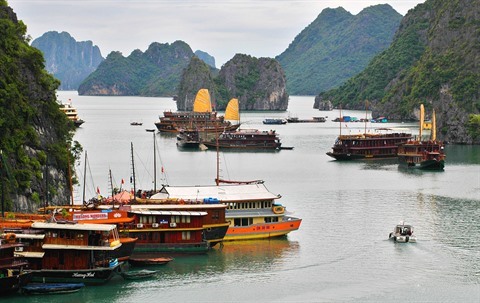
(98, 190)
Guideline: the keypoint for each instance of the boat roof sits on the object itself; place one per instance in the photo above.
(168, 213)
(79, 226)
(186, 207)
(30, 236)
(30, 254)
(79, 247)
(224, 193)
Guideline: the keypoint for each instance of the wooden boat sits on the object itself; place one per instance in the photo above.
(313, 120)
(246, 139)
(188, 138)
(251, 208)
(166, 231)
(136, 123)
(403, 233)
(149, 261)
(138, 274)
(12, 269)
(423, 154)
(201, 118)
(73, 253)
(380, 145)
(71, 113)
(51, 288)
(275, 121)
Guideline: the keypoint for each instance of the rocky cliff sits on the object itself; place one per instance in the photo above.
(258, 83)
(336, 46)
(68, 60)
(155, 72)
(433, 59)
(35, 135)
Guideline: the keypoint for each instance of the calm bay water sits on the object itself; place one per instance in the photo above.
(341, 253)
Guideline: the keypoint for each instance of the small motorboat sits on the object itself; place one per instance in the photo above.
(136, 123)
(149, 261)
(138, 274)
(403, 233)
(51, 288)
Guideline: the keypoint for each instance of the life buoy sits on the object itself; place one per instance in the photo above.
(10, 237)
(278, 209)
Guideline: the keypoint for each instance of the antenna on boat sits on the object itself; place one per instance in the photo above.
(340, 120)
(154, 161)
(111, 186)
(69, 177)
(433, 134)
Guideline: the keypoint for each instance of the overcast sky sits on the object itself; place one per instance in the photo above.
(222, 28)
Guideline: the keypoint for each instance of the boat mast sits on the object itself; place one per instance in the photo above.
(69, 178)
(84, 177)
(217, 180)
(133, 174)
(111, 186)
(366, 110)
(422, 118)
(340, 120)
(433, 134)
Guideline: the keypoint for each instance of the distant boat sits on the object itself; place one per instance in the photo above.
(188, 138)
(403, 233)
(71, 113)
(379, 145)
(423, 154)
(202, 118)
(246, 139)
(313, 120)
(51, 288)
(136, 123)
(275, 121)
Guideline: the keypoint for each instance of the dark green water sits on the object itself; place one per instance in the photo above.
(341, 253)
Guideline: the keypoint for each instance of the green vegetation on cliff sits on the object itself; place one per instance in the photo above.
(156, 72)
(433, 59)
(336, 46)
(34, 133)
(258, 83)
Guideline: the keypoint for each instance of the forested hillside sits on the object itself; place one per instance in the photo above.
(336, 46)
(35, 136)
(433, 59)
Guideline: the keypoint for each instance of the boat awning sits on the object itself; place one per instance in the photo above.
(168, 213)
(224, 193)
(30, 236)
(94, 227)
(79, 247)
(29, 254)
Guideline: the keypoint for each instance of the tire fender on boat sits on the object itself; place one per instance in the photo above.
(278, 209)
(390, 235)
(10, 237)
(394, 238)
(406, 239)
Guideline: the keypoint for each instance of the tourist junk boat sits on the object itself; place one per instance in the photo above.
(251, 208)
(73, 253)
(202, 118)
(403, 233)
(243, 139)
(71, 113)
(246, 139)
(423, 154)
(12, 274)
(382, 144)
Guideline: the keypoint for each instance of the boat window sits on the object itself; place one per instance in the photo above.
(185, 235)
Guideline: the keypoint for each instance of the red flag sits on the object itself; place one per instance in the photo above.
(162, 169)
(123, 181)
(98, 190)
